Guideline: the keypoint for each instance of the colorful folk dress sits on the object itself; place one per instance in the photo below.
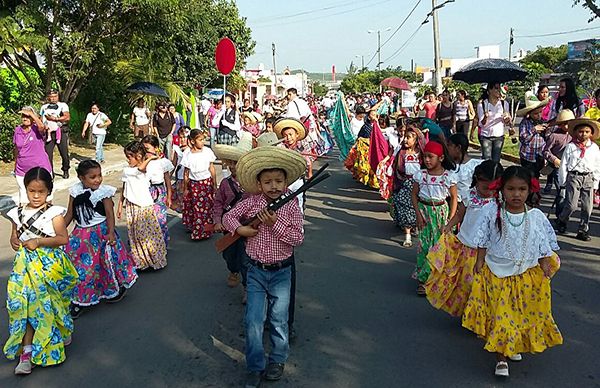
(102, 268)
(510, 303)
(39, 290)
(403, 211)
(198, 206)
(155, 171)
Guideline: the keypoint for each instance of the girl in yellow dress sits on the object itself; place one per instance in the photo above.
(452, 259)
(510, 302)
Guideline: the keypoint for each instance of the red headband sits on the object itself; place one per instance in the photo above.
(433, 147)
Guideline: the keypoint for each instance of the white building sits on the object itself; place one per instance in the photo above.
(262, 82)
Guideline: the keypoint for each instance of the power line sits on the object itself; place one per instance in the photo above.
(558, 33)
(335, 5)
(401, 24)
(404, 45)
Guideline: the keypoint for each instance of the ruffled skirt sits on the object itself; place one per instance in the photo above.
(197, 212)
(145, 237)
(159, 195)
(435, 220)
(402, 209)
(358, 164)
(513, 314)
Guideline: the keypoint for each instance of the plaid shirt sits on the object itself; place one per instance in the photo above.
(532, 142)
(274, 243)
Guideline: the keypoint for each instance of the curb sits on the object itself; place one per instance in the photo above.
(504, 155)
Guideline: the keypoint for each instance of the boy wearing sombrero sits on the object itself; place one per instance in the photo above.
(227, 196)
(579, 173)
(265, 173)
(556, 142)
(292, 132)
(531, 134)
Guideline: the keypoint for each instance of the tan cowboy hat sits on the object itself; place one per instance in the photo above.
(531, 103)
(564, 116)
(594, 124)
(251, 116)
(289, 122)
(263, 158)
(268, 139)
(229, 152)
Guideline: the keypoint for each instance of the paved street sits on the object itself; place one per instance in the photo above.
(359, 321)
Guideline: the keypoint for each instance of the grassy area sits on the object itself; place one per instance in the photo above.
(509, 147)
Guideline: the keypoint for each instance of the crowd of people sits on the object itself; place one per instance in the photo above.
(485, 251)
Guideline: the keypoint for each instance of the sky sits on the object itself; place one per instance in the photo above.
(316, 34)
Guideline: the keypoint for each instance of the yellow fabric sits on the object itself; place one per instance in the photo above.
(449, 284)
(513, 314)
(593, 113)
(361, 171)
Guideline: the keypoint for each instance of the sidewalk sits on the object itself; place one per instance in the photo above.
(9, 191)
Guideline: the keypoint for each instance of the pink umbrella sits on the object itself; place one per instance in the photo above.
(396, 83)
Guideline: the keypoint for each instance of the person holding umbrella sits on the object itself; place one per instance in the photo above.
(493, 114)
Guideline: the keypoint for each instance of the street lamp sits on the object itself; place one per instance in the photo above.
(362, 61)
(379, 45)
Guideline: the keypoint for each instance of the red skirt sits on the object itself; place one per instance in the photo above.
(198, 207)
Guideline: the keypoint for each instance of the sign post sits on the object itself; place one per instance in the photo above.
(225, 60)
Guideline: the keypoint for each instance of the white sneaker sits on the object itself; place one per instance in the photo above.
(516, 357)
(24, 367)
(501, 369)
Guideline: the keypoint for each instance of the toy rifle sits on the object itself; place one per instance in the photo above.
(318, 177)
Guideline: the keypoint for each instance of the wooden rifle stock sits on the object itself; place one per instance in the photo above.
(230, 238)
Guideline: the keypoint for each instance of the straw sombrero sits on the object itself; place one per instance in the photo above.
(531, 103)
(268, 139)
(229, 152)
(250, 116)
(594, 124)
(289, 122)
(564, 116)
(263, 158)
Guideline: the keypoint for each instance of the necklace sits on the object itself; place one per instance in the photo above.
(520, 260)
(515, 224)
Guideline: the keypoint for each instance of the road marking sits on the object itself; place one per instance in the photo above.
(230, 352)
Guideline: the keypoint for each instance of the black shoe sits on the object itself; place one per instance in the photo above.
(66, 175)
(76, 311)
(253, 380)
(583, 236)
(547, 190)
(119, 296)
(561, 227)
(274, 372)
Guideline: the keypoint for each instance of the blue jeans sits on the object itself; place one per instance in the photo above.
(272, 287)
(99, 150)
(491, 147)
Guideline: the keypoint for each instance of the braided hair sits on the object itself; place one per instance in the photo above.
(511, 172)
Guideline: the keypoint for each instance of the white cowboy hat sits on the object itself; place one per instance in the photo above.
(229, 152)
(564, 116)
(289, 122)
(259, 159)
(531, 103)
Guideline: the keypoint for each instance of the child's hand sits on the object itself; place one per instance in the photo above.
(267, 217)
(556, 163)
(111, 238)
(168, 202)
(219, 228)
(545, 265)
(32, 244)
(119, 211)
(15, 243)
(420, 220)
(478, 265)
(246, 231)
(447, 229)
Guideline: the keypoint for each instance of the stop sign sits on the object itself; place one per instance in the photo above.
(225, 56)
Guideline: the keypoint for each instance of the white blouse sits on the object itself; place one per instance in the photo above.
(464, 177)
(469, 227)
(412, 164)
(137, 187)
(517, 248)
(434, 187)
(199, 163)
(155, 171)
(43, 223)
(102, 192)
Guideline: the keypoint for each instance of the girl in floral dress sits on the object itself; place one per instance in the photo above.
(105, 267)
(42, 279)
(432, 188)
(510, 302)
(452, 259)
(159, 173)
(199, 182)
(178, 152)
(146, 240)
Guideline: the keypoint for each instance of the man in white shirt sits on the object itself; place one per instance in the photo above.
(139, 121)
(297, 108)
(56, 114)
(204, 107)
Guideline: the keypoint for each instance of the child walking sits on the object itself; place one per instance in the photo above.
(453, 258)
(105, 267)
(159, 173)
(145, 237)
(579, 172)
(199, 185)
(265, 173)
(178, 152)
(434, 198)
(407, 163)
(510, 302)
(458, 149)
(553, 151)
(42, 279)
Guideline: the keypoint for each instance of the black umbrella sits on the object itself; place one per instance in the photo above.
(149, 88)
(490, 70)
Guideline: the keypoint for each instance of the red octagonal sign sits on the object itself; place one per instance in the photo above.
(225, 56)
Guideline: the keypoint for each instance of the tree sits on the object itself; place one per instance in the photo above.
(591, 5)
(549, 57)
(319, 89)
(589, 73)
(369, 80)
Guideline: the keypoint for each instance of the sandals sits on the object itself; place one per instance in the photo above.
(501, 369)
(407, 243)
(516, 357)
(421, 290)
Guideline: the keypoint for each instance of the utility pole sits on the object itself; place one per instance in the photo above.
(511, 40)
(378, 50)
(436, 49)
(362, 62)
(274, 70)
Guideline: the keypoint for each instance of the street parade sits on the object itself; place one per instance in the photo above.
(223, 219)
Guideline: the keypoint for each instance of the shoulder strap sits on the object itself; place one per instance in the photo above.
(237, 195)
(28, 226)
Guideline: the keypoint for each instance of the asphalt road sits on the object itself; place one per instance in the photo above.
(359, 321)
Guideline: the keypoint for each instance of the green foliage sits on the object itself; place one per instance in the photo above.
(589, 73)
(590, 5)
(8, 122)
(318, 89)
(14, 93)
(473, 91)
(369, 80)
(549, 57)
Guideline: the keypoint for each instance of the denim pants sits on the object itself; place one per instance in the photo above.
(491, 147)
(166, 145)
(268, 298)
(99, 145)
(236, 258)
